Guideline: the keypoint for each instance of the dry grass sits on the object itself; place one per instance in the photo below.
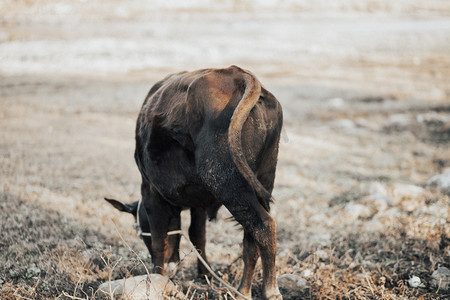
(59, 239)
(363, 131)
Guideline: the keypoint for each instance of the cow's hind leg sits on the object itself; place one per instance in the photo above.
(267, 244)
(250, 256)
(240, 199)
(258, 224)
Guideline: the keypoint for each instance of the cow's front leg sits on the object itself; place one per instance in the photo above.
(173, 250)
(158, 212)
(159, 246)
(197, 234)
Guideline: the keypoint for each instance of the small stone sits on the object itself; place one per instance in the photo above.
(441, 182)
(336, 102)
(322, 255)
(318, 218)
(344, 124)
(433, 117)
(374, 225)
(292, 285)
(152, 286)
(377, 201)
(376, 188)
(391, 213)
(441, 278)
(32, 271)
(356, 210)
(360, 277)
(407, 191)
(322, 239)
(439, 210)
(414, 282)
(307, 273)
(381, 203)
(400, 120)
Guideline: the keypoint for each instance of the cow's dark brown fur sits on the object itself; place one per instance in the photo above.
(205, 139)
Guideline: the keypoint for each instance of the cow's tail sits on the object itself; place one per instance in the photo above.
(240, 115)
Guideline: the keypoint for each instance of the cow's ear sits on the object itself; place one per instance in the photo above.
(129, 208)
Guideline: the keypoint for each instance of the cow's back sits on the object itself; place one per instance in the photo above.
(186, 112)
(188, 99)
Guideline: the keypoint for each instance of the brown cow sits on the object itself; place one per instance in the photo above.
(203, 139)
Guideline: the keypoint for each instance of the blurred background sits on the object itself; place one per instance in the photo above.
(362, 202)
(364, 42)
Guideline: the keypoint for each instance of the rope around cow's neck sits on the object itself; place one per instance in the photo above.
(140, 233)
(138, 227)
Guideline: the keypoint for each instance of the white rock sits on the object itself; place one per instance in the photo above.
(322, 255)
(284, 252)
(442, 182)
(414, 282)
(152, 286)
(364, 123)
(293, 284)
(374, 225)
(307, 273)
(439, 210)
(433, 117)
(322, 239)
(361, 122)
(378, 201)
(344, 124)
(391, 213)
(336, 102)
(356, 210)
(318, 218)
(400, 120)
(441, 278)
(408, 191)
(376, 188)
(437, 94)
(411, 206)
(382, 203)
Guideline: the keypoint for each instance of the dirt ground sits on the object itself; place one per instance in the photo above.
(366, 96)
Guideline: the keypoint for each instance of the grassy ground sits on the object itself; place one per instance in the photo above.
(363, 134)
(60, 159)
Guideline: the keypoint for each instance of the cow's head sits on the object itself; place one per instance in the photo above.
(142, 225)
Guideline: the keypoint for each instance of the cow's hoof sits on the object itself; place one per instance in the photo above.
(246, 292)
(171, 269)
(202, 272)
(274, 296)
